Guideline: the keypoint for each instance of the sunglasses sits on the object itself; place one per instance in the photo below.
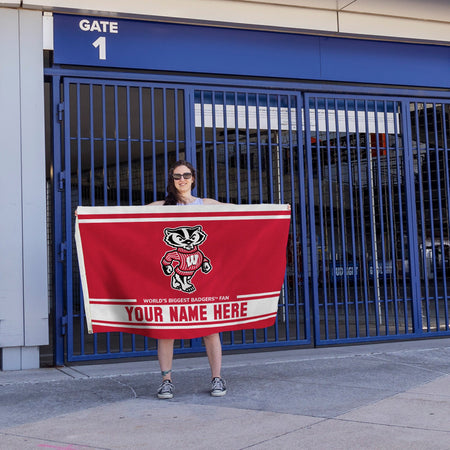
(186, 176)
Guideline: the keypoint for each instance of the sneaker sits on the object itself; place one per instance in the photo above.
(166, 389)
(218, 387)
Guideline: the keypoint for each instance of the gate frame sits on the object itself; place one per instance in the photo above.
(57, 74)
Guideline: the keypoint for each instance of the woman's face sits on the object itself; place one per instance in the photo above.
(183, 186)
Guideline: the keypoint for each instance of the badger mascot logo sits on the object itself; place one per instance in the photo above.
(183, 262)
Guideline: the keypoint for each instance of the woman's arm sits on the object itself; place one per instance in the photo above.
(159, 202)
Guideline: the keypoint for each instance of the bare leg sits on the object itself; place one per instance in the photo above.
(214, 352)
(165, 356)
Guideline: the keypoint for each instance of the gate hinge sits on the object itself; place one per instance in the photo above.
(62, 251)
(60, 111)
(63, 325)
(61, 180)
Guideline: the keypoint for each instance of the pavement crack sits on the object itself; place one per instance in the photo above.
(416, 366)
(409, 427)
(287, 433)
(126, 385)
(58, 444)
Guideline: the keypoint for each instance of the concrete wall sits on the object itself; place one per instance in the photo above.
(23, 247)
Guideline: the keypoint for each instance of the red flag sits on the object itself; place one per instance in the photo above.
(181, 271)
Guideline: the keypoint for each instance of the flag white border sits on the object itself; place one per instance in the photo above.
(180, 209)
(156, 209)
(84, 285)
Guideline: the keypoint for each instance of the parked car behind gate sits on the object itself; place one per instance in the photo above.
(437, 258)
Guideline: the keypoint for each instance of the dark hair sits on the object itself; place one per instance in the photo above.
(172, 193)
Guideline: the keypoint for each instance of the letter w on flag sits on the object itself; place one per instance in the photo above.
(181, 272)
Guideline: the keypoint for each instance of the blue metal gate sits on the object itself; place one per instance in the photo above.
(430, 142)
(367, 178)
(378, 177)
(120, 137)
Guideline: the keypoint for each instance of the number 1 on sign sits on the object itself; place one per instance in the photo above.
(100, 43)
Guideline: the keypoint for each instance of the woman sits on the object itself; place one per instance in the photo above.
(179, 192)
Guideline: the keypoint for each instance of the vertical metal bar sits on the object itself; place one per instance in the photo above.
(104, 147)
(59, 144)
(130, 170)
(430, 214)
(269, 150)
(190, 127)
(400, 185)
(361, 216)
(69, 222)
(92, 144)
(382, 236)
(130, 167)
(117, 142)
(280, 173)
(258, 147)
(141, 146)
(93, 199)
(323, 236)
(332, 225)
(177, 140)
(294, 209)
(225, 148)
(260, 178)
(340, 203)
(352, 219)
(214, 137)
(271, 176)
(420, 229)
(303, 200)
(166, 160)
(290, 301)
(441, 231)
(391, 218)
(153, 140)
(248, 149)
(280, 152)
(117, 149)
(238, 150)
(202, 109)
(373, 231)
(422, 215)
(411, 213)
(445, 150)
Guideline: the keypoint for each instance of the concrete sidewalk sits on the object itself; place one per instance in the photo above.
(383, 396)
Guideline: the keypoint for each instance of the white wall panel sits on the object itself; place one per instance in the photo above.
(317, 4)
(33, 179)
(11, 281)
(222, 11)
(395, 27)
(414, 9)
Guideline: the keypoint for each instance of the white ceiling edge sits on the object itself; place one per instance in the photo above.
(47, 27)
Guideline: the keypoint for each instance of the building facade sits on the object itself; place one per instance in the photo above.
(339, 108)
